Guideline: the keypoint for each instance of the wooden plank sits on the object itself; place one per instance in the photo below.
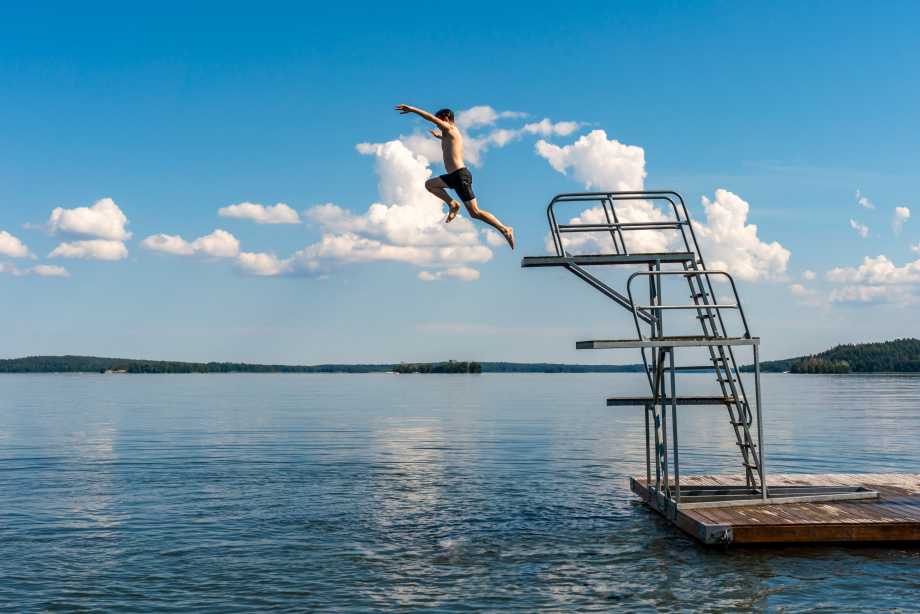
(826, 533)
(894, 517)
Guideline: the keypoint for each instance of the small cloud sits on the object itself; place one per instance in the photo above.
(12, 269)
(800, 290)
(864, 201)
(42, 270)
(50, 270)
(808, 275)
(493, 238)
(454, 274)
(104, 220)
(13, 247)
(548, 128)
(218, 244)
(863, 230)
(96, 249)
(898, 218)
(260, 264)
(810, 296)
(279, 214)
(915, 248)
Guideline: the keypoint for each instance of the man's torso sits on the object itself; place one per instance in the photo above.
(452, 148)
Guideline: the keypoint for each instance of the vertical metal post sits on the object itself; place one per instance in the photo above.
(657, 419)
(664, 426)
(763, 471)
(648, 454)
(658, 288)
(674, 421)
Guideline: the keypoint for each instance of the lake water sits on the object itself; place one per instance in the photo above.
(497, 493)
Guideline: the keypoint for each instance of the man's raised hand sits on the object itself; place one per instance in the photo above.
(403, 109)
(436, 135)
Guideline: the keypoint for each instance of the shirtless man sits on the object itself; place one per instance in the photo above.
(458, 178)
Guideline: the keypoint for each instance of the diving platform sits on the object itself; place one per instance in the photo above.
(667, 342)
(597, 259)
(649, 401)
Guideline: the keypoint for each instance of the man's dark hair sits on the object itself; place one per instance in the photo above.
(445, 115)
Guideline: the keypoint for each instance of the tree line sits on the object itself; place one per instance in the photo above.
(898, 356)
(94, 364)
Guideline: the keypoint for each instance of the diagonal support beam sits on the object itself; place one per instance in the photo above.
(609, 292)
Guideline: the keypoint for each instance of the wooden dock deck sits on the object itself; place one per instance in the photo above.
(895, 517)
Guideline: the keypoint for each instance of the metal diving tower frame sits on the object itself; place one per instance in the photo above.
(665, 493)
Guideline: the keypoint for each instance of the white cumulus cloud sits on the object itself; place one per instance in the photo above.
(597, 163)
(876, 280)
(104, 220)
(475, 145)
(864, 201)
(863, 230)
(13, 247)
(898, 218)
(218, 244)
(278, 214)
(877, 271)
(808, 275)
(730, 244)
(903, 295)
(456, 274)
(726, 240)
(94, 249)
(50, 270)
(407, 225)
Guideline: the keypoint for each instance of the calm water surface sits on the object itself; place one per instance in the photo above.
(296, 493)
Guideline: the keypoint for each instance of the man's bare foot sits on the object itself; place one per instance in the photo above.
(509, 235)
(453, 213)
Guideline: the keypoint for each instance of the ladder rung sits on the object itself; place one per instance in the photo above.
(725, 380)
(703, 316)
(736, 423)
(745, 444)
(749, 465)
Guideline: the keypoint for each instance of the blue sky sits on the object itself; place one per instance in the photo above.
(174, 113)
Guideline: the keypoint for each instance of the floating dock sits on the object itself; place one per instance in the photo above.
(893, 517)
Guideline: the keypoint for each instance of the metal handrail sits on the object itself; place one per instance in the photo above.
(556, 229)
(736, 305)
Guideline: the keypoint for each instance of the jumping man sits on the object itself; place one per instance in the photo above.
(458, 177)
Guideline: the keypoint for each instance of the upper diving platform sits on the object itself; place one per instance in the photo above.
(592, 259)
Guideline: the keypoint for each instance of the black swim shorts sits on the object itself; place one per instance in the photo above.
(461, 182)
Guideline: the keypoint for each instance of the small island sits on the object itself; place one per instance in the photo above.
(451, 366)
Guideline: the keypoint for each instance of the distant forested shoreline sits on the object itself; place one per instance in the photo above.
(94, 364)
(898, 356)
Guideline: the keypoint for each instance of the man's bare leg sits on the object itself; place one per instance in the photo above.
(436, 186)
(491, 220)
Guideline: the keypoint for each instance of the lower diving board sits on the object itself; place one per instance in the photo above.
(892, 517)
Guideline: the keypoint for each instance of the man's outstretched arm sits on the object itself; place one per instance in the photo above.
(440, 123)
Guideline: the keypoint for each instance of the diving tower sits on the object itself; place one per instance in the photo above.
(713, 331)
